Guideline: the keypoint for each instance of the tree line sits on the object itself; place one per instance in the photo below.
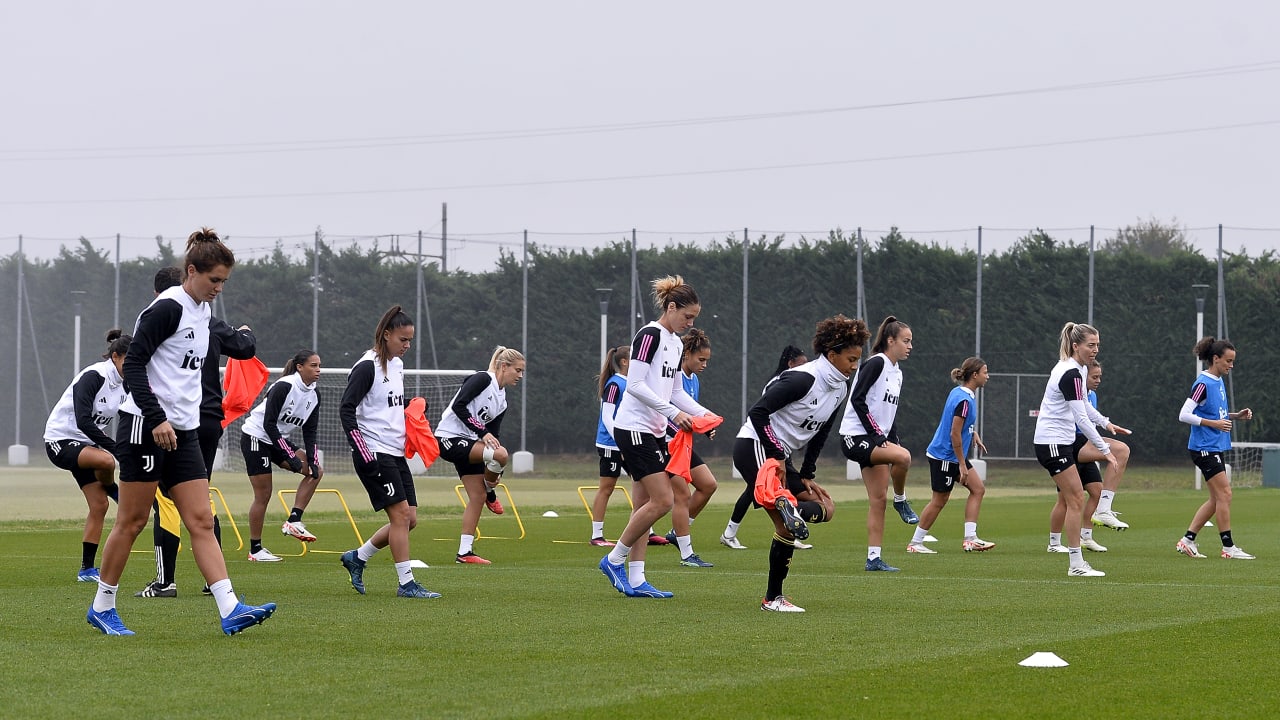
(1143, 307)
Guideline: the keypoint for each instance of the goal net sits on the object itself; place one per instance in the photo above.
(1247, 461)
(437, 386)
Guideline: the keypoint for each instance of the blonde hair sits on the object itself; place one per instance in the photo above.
(1073, 334)
(504, 356)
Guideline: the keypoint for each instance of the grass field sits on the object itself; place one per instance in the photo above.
(540, 633)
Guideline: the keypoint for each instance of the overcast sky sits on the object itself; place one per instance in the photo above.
(686, 120)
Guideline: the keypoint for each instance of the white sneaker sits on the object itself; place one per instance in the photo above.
(263, 555)
(800, 545)
(1188, 548)
(976, 544)
(1091, 544)
(1236, 552)
(297, 530)
(930, 538)
(1109, 519)
(1085, 571)
(780, 604)
(732, 543)
(1058, 549)
(921, 548)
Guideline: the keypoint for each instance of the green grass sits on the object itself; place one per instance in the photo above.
(541, 633)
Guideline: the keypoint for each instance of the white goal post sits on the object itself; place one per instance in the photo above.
(1252, 464)
(437, 386)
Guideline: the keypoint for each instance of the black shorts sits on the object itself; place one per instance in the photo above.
(1059, 458)
(944, 474)
(645, 453)
(65, 454)
(142, 461)
(858, 448)
(457, 450)
(393, 484)
(1209, 461)
(260, 455)
(1089, 473)
(611, 463)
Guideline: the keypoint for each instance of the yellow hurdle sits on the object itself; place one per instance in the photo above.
(460, 490)
(305, 546)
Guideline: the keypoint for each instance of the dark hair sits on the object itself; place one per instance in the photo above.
(206, 251)
(673, 289)
(117, 343)
(394, 317)
(789, 353)
(612, 364)
(837, 333)
(891, 327)
(299, 358)
(1073, 334)
(970, 367)
(167, 277)
(695, 340)
(1210, 347)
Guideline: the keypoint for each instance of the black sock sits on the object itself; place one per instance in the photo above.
(88, 553)
(168, 556)
(217, 530)
(1189, 535)
(742, 505)
(780, 553)
(490, 496)
(1226, 539)
(295, 515)
(255, 545)
(113, 492)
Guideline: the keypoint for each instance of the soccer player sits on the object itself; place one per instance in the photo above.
(1063, 410)
(159, 440)
(238, 343)
(75, 441)
(613, 383)
(372, 414)
(1207, 412)
(292, 402)
(799, 410)
(652, 397)
(468, 434)
(869, 437)
(948, 455)
(686, 507)
(792, 356)
(1090, 480)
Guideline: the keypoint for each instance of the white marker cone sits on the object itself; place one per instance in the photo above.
(550, 513)
(1043, 659)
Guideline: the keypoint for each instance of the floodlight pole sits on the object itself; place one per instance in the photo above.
(75, 367)
(1199, 289)
(603, 294)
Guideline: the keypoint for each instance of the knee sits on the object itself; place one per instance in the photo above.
(710, 486)
(98, 505)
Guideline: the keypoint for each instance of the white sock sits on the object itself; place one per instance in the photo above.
(918, 536)
(635, 573)
(971, 529)
(466, 543)
(106, 598)
(899, 498)
(731, 530)
(1055, 538)
(873, 552)
(597, 529)
(686, 545)
(366, 551)
(225, 596)
(1104, 502)
(404, 571)
(1074, 556)
(1086, 533)
(619, 553)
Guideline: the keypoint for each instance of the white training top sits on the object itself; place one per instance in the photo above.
(162, 367)
(372, 409)
(299, 402)
(477, 408)
(654, 393)
(873, 402)
(87, 405)
(1065, 407)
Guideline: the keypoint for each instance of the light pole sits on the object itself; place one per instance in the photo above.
(76, 342)
(1199, 289)
(603, 294)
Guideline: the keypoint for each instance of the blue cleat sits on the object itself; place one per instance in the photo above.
(412, 589)
(246, 616)
(905, 512)
(694, 561)
(791, 519)
(879, 565)
(108, 621)
(617, 574)
(355, 566)
(671, 537)
(648, 591)
(88, 575)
